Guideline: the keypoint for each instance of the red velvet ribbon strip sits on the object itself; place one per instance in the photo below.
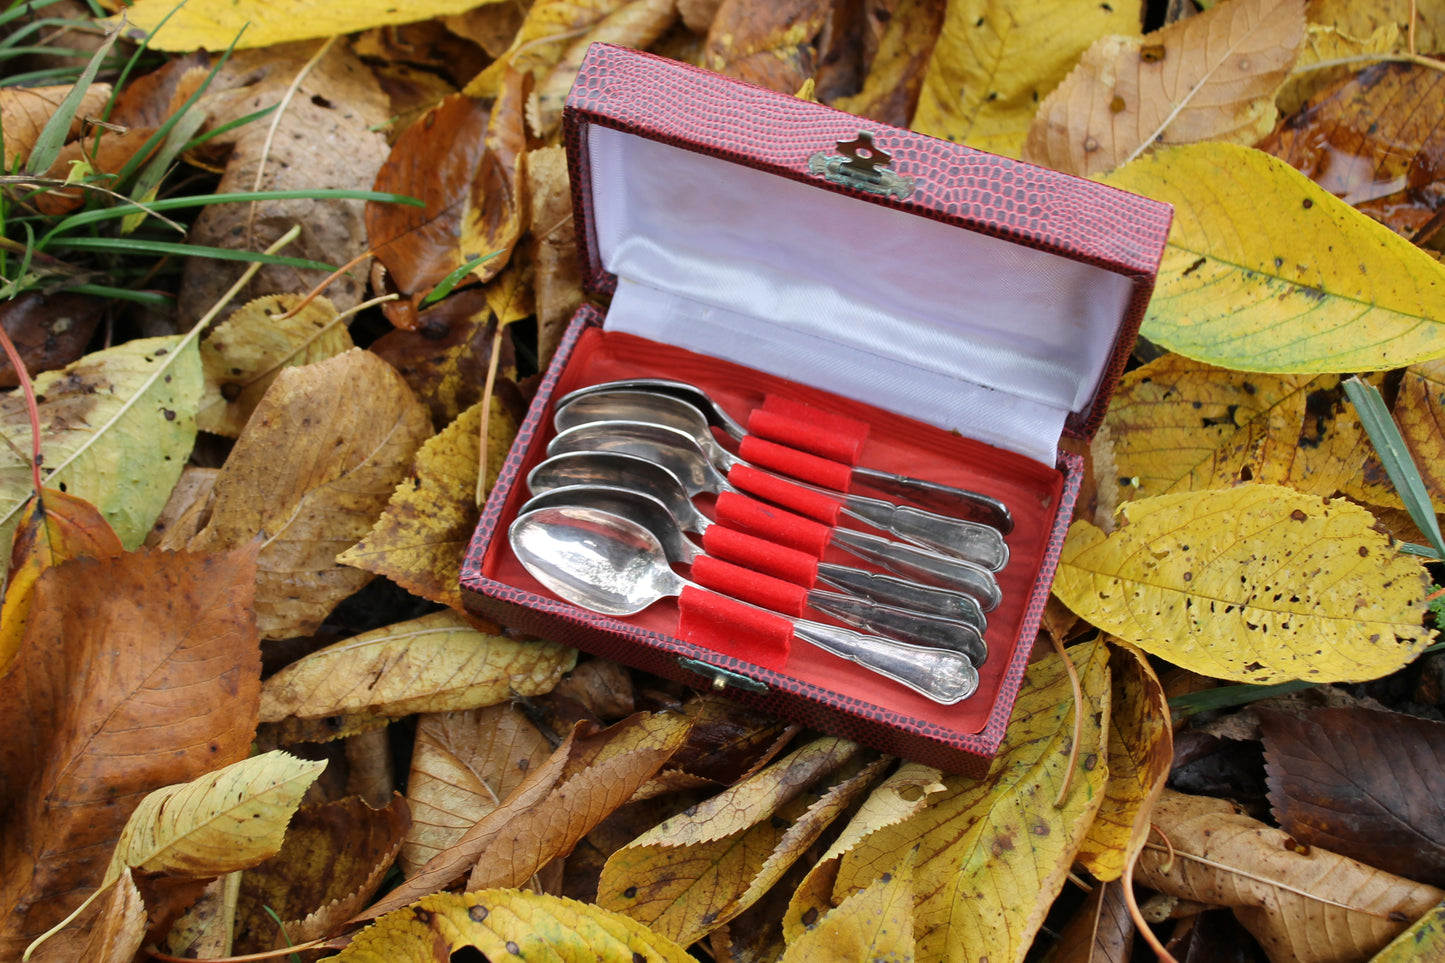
(800, 425)
(761, 555)
(773, 524)
(823, 472)
(822, 508)
(740, 583)
(733, 628)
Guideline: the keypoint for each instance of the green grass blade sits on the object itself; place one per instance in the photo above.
(1396, 457)
(133, 245)
(450, 281)
(229, 126)
(52, 136)
(154, 298)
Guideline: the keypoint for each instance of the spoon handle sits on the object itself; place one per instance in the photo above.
(912, 627)
(919, 565)
(942, 675)
(903, 594)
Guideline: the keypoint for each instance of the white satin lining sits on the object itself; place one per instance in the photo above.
(957, 329)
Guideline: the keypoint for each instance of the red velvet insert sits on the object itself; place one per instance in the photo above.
(737, 582)
(823, 508)
(802, 426)
(761, 555)
(896, 444)
(824, 472)
(734, 628)
(774, 524)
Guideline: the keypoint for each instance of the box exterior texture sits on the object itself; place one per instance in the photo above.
(700, 113)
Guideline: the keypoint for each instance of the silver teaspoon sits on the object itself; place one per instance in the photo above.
(614, 566)
(976, 542)
(764, 590)
(618, 470)
(973, 505)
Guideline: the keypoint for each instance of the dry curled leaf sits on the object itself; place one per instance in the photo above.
(773, 45)
(24, 112)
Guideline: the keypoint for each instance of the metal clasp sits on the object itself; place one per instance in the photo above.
(721, 678)
(860, 165)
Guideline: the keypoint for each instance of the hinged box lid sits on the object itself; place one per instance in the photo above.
(969, 291)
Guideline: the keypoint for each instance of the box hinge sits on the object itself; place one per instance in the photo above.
(721, 678)
(860, 165)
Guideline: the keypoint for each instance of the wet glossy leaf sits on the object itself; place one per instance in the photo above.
(1363, 783)
(1326, 44)
(137, 672)
(432, 664)
(1207, 78)
(423, 533)
(1267, 271)
(1253, 584)
(996, 59)
(1312, 906)
(309, 476)
(504, 922)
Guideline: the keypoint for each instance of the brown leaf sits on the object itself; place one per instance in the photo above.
(554, 248)
(1376, 139)
(729, 742)
(427, 44)
(309, 476)
(50, 331)
(410, 93)
(117, 933)
(490, 26)
(24, 112)
(603, 686)
(1363, 783)
(185, 511)
(1210, 77)
(557, 804)
(890, 91)
(462, 767)
(1100, 931)
(332, 116)
(138, 672)
(330, 864)
(1311, 907)
(772, 45)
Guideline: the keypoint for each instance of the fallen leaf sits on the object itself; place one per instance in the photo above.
(1362, 783)
(1100, 931)
(702, 868)
(490, 26)
(50, 331)
(1179, 425)
(117, 935)
(435, 663)
(137, 672)
(1418, 411)
(463, 764)
(553, 808)
(636, 23)
(1424, 940)
(1251, 584)
(116, 428)
(1267, 271)
(1207, 78)
(334, 114)
(1141, 752)
(993, 853)
(1326, 44)
(1309, 907)
(558, 269)
(1375, 139)
(205, 929)
(242, 355)
(411, 92)
(309, 476)
(495, 216)
(425, 44)
(730, 742)
(895, 78)
(875, 923)
(331, 862)
(504, 922)
(772, 45)
(1362, 19)
(54, 528)
(24, 112)
(602, 686)
(423, 533)
(996, 59)
(185, 511)
(217, 24)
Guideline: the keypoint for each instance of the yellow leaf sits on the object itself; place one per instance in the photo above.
(1419, 410)
(1180, 425)
(994, 853)
(996, 59)
(1253, 584)
(243, 354)
(1362, 19)
(773, 45)
(1424, 940)
(1310, 907)
(422, 535)
(1141, 753)
(1266, 271)
(509, 924)
(1327, 44)
(698, 870)
(432, 664)
(1211, 77)
(215, 24)
(116, 428)
(895, 77)
(309, 475)
(221, 822)
(875, 923)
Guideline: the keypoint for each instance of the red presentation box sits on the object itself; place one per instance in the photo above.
(969, 309)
